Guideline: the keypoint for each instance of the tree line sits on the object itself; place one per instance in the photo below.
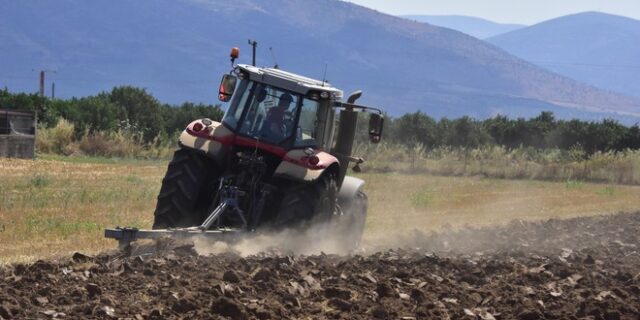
(541, 132)
(124, 107)
(135, 109)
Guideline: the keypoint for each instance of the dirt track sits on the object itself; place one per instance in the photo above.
(579, 268)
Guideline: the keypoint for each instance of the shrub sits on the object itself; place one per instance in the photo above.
(58, 140)
(499, 162)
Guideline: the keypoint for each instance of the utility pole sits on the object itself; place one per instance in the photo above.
(53, 90)
(41, 83)
(253, 44)
(42, 72)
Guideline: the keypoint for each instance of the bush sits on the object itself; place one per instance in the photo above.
(122, 143)
(499, 162)
(58, 140)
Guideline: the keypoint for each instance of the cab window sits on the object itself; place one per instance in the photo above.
(237, 106)
(306, 131)
(270, 115)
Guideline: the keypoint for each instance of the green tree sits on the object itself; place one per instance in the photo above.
(468, 133)
(29, 102)
(414, 128)
(499, 128)
(177, 118)
(540, 128)
(604, 136)
(142, 110)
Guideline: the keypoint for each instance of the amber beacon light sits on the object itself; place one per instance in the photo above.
(235, 53)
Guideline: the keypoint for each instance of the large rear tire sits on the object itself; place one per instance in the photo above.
(187, 191)
(315, 207)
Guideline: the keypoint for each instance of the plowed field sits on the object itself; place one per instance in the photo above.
(556, 269)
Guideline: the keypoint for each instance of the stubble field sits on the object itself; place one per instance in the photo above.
(56, 206)
(434, 248)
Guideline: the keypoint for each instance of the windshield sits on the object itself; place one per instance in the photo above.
(266, 113)
(270, 114)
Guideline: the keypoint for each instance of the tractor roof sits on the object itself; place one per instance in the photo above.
(289, 81)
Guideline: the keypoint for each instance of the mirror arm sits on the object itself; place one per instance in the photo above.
(357, 160)
(235, 70)
(344, 105)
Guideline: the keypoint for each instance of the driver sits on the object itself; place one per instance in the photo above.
(275, 116)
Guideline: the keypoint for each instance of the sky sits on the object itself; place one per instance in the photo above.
(505, 11)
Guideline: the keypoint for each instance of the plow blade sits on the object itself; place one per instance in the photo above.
(127, 235)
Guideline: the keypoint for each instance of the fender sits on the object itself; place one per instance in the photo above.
(207, 136)
(295, 165)
(350, 188)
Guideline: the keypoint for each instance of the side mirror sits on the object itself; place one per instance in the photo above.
(227, 86)
(376, 123)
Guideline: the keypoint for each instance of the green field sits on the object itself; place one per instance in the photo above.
(54, 206)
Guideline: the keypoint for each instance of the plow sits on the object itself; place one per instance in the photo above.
(277, 160)
(125, 236)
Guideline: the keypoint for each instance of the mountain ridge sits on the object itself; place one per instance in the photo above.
(596, 48)
(179, 49)
(477, 27)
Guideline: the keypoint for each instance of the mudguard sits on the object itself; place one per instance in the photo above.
(212, 138)
(350, 188)
(295, 165)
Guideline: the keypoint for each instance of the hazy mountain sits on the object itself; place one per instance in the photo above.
(178, 50)
(477, 27)
(596, 48)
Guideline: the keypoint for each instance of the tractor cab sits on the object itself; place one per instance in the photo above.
(279, 108)
(284, 113)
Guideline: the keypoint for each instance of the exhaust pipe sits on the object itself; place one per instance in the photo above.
(346, 135)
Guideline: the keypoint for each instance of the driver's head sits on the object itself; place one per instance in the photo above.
(285, 100)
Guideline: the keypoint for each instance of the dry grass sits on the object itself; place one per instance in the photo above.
(497, 162)
(401, 202)
(51, 207)
(123, 143)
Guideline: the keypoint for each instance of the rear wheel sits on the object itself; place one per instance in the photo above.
(315, 207)
(187, 190)
(350, 224)
(302, 205)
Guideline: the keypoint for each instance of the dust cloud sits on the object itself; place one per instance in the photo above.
(312, 240)
(552, 236)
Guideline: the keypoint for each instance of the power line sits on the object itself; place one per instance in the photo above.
(119, 80)
(584, 64)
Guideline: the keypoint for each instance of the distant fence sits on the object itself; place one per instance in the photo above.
(17, 134)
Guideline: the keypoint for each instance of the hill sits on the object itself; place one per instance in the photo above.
(595, 48)
(477, 27)
(178, 49)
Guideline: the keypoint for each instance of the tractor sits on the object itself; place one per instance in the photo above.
(278, 159)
